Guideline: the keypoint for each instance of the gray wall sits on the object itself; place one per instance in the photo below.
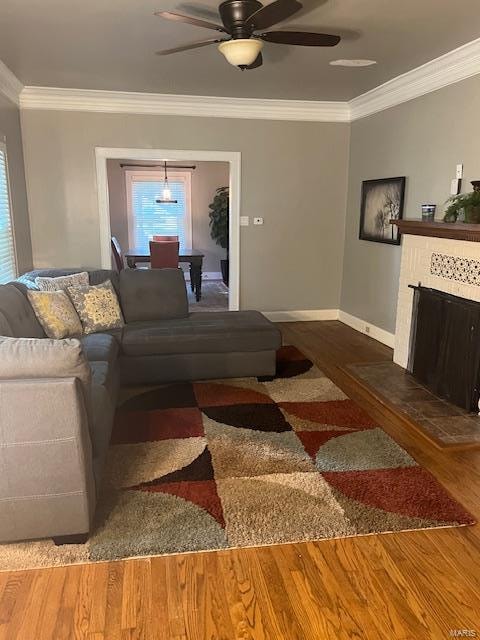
(424, 140)
(206, 178)
(10, 130)
(294, 174)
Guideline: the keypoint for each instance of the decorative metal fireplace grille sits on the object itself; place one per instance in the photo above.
(445, 346)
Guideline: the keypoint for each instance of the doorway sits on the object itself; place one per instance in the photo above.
(130, 184)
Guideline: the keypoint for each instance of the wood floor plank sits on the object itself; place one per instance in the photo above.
(159, 623)
(15, 599)
(42, 620)
(445, 593)
(268, 615)
(218, 623)
(113, 618)
(64, 623)
(400, 586)
(136, 599)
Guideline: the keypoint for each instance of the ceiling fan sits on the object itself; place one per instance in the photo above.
(241, 19)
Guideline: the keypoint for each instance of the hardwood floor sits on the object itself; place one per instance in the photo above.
(402, 586)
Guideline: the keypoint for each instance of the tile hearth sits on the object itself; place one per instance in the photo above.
(444, 423)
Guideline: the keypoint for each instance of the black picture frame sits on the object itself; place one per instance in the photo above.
(382, 200)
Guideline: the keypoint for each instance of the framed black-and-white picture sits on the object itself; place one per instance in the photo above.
(382, 201)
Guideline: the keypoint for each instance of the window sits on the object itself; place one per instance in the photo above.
(147, 218)
(8, 267)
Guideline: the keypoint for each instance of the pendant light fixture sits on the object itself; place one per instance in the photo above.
(166, 192)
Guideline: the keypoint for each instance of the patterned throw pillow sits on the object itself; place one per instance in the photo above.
(97, 307)
(62, 282)
(56, 314)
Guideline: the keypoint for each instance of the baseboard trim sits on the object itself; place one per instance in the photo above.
(334, 314)
(361, 325)
(206, 275)
(302, 316)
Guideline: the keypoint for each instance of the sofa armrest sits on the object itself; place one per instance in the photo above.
(47, 486)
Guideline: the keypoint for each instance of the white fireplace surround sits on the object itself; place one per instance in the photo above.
(452, 266)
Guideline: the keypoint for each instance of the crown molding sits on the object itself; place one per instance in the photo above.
(10, 85)
(168, 104)
(457, 65)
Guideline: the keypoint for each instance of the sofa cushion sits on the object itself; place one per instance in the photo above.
(19, 313)
(103, 412)
(100, 346)
(5, 328)
(215, 332)
(105, 386)
(106, 375)
(153, 294)
(45, 358)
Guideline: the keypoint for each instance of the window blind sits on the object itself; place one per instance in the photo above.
(7, 248)
(151, 218)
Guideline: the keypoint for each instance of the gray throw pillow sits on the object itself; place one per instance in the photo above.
(62, 282)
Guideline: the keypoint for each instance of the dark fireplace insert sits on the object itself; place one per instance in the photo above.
(445, 346)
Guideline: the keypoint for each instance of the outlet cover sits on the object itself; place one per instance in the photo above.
(244, 221)
(258, 221)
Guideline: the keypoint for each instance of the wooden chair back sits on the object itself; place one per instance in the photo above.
(164, 255)
(117, 254)
(165, 238)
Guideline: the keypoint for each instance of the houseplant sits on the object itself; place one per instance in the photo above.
(468, 202)
(219, 225)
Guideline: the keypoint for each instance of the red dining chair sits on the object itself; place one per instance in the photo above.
(165, 238)
(164, 255)
(117, 254)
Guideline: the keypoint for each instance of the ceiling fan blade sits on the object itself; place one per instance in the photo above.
(272, 13)
(256, 63)
(301, 38)
(187, 47)
(179, 17)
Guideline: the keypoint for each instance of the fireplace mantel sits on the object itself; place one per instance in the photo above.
(452, 231)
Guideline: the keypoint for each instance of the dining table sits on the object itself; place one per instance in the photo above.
(136, 255)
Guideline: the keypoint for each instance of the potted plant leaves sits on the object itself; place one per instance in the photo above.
(465, 206)
(219, 224)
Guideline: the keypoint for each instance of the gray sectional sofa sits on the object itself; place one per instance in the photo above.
(55, 433)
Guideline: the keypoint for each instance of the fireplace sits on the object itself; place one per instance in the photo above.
(444, 352)
(445, 260)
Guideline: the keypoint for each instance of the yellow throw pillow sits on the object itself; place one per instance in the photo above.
(97, 307)
(56, 314)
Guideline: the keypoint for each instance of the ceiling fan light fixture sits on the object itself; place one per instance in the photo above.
(241, 52)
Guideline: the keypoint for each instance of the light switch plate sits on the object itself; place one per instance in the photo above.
(258, 221)
(455, 187)
(244, 221)
(459, 171)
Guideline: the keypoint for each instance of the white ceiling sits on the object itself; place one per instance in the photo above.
(110, 44)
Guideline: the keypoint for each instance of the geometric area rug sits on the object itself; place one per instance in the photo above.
(247, 462)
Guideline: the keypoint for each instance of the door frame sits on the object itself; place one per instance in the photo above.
(102, 154)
